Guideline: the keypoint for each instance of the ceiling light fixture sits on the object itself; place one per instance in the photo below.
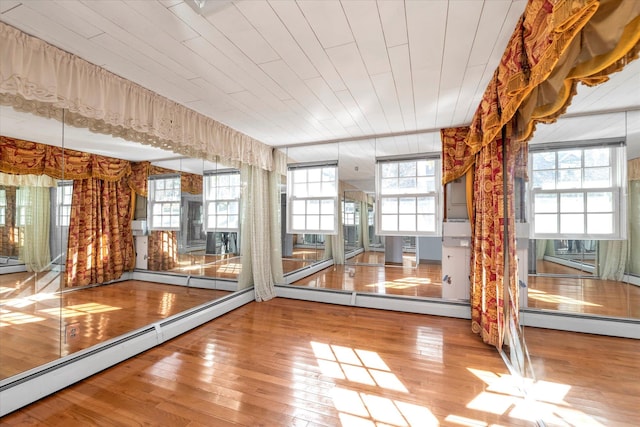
(207, 7)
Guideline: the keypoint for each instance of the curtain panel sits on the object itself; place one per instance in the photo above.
(41, 79)
(25, 157)
(163, 250)
(100, 239)
(10, 234)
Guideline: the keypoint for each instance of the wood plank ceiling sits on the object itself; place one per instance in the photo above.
(296, 72)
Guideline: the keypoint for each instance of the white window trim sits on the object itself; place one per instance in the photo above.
(215, 201)
(151, 203)
(62, 185)
(291, 198)
(618, 189)
(3, 207)
(436, 194)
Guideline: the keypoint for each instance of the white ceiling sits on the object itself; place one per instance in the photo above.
(298, 72)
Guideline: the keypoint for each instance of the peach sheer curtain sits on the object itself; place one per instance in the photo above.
(555, 46)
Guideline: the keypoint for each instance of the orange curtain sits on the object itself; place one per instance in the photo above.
(163, 250)
(10, 234)
(488, 245)
(100, 239)
(25, 157)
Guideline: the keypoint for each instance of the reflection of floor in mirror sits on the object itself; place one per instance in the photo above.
(348, 366)
(581, 294)
(224, 266)
(575, 295)
(36, 328)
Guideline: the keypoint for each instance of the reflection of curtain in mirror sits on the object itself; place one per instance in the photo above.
(261, 246)
(34, 203)
(544, 247)
(364, 225)
(633, 171)
(100, 239)
(9, 233)
(163, 250)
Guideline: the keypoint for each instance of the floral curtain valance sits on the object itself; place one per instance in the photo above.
(39, 78)
(189, 182)
(555, 46)
(25, 157)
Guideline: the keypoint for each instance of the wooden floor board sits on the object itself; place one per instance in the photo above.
(296, 363)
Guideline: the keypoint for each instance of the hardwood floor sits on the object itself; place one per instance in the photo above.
(296, 363)
(37, 327)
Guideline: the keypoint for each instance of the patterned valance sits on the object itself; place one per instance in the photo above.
(189, 182)
(25, 157)
(555, 46)
(39, 78)
(633, 169)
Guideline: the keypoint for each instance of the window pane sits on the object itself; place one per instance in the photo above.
(407, 184)
(313, 207)
(407, 205)
(570, 178)
(426, 205)
(596, 157)
(233, 222)
(313, 222)
(407, 223)
(571, 202)
(407, 169)
(327, 222)
(389, 185)
(234, 208)
(211, 222)
(298, 207)
(572, 223)
(223, 180)
(327, 207)
(568, 159)
(329, 174)
(543, 161)
(389, 222)
(389, 205)
(597, 177)
(545, 203)
(299, 175)
(328, 189)
(166, 221)
(545, 180)
(600, 223)
(389, 170)
(315, 189)
(297, 222)
(600, 202)
(175, 222)
(221, 208)
(546, 223)
(313, 175)
(221, 221)
(300, 190)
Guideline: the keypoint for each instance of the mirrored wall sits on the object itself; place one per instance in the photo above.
(72, 241)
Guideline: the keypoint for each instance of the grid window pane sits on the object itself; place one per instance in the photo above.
(568, 159)
(545, 180)
(542, 161)
(569, 178)
(389, 205)
(572, 223)
(407, 223)
(600, 223)
(597, 157)
(312, 195)
(389, 222)
(546, 223)
(572, 202)
(222, 201)
(545, 203)
(597, 177)
(600, 202)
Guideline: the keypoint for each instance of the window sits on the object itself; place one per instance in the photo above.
(578, 191)
(3, 207)
(164, 202)
(23, 207)
(350, 215)
(222, 200)
(407, 197)
(63, 198)
(312, 203)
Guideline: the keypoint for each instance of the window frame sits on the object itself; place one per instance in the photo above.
(3, 207)
(412, 193)
(565, 217)
(152, 202)
(61, 188)
(295, 198)
(216, 200)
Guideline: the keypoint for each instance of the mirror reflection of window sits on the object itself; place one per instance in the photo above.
(164, 202)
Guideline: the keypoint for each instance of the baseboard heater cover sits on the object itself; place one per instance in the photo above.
(23, 389)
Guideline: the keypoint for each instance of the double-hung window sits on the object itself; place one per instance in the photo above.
(23, 206)
(64, 195)
(350, 215)
(312, 198)
(164, 202)
(222, 200)
(578, 191)
(408, 194)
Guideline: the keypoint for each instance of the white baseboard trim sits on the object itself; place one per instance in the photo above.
(433, 307)
(25, 388)
(182, 280)
(301, 273)
(615, 327)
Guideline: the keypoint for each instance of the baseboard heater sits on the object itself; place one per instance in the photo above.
(27, 387)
